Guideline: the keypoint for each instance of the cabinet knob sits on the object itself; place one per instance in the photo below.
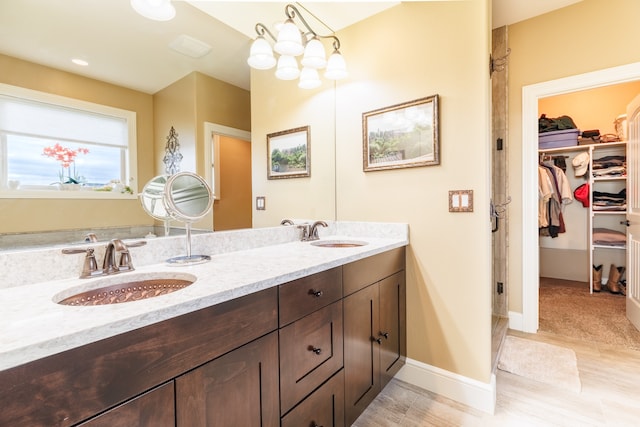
(385, 335)
(313, 424)
(315, 293)
(378, 340)
(316, 350)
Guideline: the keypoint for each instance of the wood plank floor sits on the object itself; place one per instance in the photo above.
(610, 396)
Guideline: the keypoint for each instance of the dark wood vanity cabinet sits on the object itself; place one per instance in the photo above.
(311, 352)
(237, 389)
(374, 329)
(324, 408)
(153, 408)
(73, 386)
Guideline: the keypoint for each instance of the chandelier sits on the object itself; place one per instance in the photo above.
(291, 43)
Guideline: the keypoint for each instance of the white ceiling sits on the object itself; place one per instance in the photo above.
(128, 50)
(507, 12)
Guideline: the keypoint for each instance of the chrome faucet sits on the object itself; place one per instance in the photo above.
(286, 222)
(313, 231)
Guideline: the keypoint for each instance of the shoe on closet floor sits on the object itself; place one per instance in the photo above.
(615, 274)
(597, 278)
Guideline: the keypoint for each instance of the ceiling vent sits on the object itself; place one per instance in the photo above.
(189, 46)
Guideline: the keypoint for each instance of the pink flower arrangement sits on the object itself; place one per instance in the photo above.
(67, 158)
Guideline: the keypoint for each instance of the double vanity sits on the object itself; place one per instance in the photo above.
(280, 333)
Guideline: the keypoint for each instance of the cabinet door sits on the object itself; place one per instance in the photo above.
(324, 408)
(310, 352)
(154, 408)
(361, 351)
(392, 334)
(237, 389)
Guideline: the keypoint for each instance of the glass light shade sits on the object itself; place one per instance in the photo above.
(314, 54)
(309, 78)
(287, 68)
(289, 40)
(336, 67)
(158, 10)
(261, 55)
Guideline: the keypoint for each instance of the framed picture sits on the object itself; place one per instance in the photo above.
(401, 136)
(288, 154)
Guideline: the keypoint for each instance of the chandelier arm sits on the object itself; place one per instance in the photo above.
(291, 12)
(261, 29)
(336, 41)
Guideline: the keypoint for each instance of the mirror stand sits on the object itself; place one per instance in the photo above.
(188, 259)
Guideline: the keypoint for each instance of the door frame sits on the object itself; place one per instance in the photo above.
(212, 150)
(530, 245)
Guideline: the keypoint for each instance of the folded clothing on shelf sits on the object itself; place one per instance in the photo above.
(608, 237)
(603, 201)
(609, 166)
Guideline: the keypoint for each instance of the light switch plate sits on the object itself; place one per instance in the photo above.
(261, 203)
(461, 201)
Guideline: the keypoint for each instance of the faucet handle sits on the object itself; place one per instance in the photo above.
(136, 244)
(90, 266)
(125, 263)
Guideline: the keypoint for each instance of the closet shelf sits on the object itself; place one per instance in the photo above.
(609, 212)
(608, 247)
(610, 178)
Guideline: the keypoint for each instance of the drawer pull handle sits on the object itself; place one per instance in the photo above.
(315, 293)
(316, 350)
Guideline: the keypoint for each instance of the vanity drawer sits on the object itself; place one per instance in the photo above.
(360, 274)
(311, 350)
(303, 296)
(325, 407)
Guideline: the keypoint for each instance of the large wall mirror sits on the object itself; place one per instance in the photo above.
(127, 69)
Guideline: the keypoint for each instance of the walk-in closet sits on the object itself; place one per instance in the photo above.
(582, 211)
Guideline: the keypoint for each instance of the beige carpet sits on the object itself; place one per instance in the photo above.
(568, 309)
(547, 363)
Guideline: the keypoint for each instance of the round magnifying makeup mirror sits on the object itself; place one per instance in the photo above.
(187, 198)
(152, 199)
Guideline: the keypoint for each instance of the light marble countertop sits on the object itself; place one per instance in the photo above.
(33, 326)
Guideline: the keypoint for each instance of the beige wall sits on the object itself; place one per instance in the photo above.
(397, 56)
(186, 105)
(436, 48)
(549, 47)
(277, 106)
(22, 215)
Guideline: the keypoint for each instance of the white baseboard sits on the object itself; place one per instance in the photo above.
(465, 390)
(516, 321)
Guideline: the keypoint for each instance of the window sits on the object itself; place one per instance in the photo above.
(48, 140)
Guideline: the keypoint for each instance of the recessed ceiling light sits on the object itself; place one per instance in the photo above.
(79, 61)
(158, 10)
